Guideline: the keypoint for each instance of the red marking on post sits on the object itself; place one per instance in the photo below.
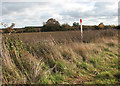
(80, 20)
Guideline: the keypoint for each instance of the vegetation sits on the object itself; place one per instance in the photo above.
(60, 58)
(8, 29)
(51, 25)
(101, 26)
(54, 25)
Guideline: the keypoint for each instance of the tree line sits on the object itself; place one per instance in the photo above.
(54, 25)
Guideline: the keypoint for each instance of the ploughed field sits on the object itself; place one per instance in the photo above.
(66, 36)
(61, 57)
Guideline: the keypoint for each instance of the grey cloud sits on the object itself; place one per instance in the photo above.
(77, 14)
(9, 7)
(99, 10)
(119, 8)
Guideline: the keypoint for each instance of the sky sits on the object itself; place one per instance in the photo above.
(35, 12)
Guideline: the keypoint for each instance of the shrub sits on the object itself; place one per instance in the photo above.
(51, 25)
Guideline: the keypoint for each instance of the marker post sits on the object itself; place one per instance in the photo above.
(81, 29)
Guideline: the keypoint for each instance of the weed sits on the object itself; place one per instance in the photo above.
(111, 44)
(32, 58)
(82, 65)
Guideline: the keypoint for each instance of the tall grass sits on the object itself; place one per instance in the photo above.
(53, 61)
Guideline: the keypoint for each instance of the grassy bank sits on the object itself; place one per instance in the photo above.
(60, 58)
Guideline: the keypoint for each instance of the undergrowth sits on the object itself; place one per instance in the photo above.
(55, 63)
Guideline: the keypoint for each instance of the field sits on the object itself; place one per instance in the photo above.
(61, 57)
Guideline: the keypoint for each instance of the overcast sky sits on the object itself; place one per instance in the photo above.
(35, 12)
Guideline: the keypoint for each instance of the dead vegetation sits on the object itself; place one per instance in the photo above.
(60, 58)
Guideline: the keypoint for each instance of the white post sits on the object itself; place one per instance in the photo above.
(81, 29)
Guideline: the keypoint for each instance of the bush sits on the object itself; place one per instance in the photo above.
(51, 25)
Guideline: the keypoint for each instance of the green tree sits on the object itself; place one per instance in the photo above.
(51, 25)
(75, 24)
(65, 26)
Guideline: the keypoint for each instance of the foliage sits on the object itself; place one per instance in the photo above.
(75, 24)
(51, 25)
(101, 25)
(32, 58)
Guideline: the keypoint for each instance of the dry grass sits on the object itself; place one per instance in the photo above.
(61, 58)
